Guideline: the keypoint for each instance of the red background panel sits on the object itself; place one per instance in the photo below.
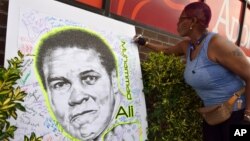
(245, 39)
(164, 14)
(225, 17)
(161, 14)
(94, 3)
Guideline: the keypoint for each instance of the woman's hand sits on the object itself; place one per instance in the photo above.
(140, 40)
(246, 119)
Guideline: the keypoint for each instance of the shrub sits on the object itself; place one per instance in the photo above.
(171, 103)
(11, 98)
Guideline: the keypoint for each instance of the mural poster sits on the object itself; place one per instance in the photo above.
(81, 73)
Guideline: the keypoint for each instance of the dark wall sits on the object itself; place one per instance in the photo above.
(3, 24)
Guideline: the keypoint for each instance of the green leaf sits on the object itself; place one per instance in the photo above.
(3, 116)
(11, 131)
(39, 138)
(19, 95)
(6, 101)
(3, 137)
(20, 107)
(14, 114)
(26, 138)
(20, 54)
(33, 136)
(7, 125)
(3, 92)
(13, 78)
(7, 106)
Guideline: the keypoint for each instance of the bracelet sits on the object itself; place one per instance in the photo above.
(236, 94)
(142, 41)
(247, 117)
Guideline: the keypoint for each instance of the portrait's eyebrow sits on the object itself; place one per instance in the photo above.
(50, 79)
(88, 71)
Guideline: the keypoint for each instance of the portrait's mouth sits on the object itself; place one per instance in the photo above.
(85, 114)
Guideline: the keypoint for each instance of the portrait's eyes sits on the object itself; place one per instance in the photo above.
(90, 79)
(59, 85)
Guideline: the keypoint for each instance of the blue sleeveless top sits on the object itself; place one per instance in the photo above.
(213, 83)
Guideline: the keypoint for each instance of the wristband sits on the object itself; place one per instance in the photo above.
(247, 117)
(141, 41)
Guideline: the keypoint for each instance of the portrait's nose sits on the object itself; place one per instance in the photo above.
(77, 96)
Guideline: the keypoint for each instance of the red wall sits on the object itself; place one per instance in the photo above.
(245, 39)
(225, 17)
(164, 14)
(94, 3)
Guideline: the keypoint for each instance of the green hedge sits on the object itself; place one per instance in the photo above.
(12, 98)
(171, 103)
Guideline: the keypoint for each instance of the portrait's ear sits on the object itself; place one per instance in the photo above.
(114, 81)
